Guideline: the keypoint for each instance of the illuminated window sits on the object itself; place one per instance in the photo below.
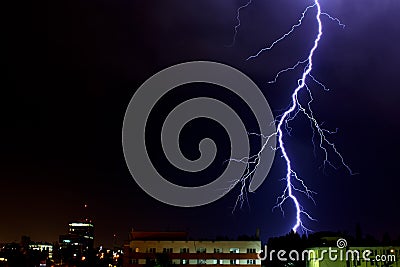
(234, 250)
(234, 262)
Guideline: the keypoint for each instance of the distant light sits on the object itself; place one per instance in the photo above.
(80, 224)
(392, 251)
(83, 258)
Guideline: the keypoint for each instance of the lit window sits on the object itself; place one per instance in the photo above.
(234, 250)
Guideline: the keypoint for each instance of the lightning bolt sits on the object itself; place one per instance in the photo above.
(237, 26)
(294, 185)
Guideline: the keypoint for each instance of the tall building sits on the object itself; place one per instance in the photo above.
(163, 248)
(79, 241)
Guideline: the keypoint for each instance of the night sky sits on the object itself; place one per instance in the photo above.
(73, 66)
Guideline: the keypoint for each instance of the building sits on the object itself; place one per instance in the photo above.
(79, 241)
(26, 253)
(145, 248)
(42, 247)
(383, 256)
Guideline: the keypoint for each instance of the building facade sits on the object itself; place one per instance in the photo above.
(79, 241)
(42, 247)
(160, 248)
